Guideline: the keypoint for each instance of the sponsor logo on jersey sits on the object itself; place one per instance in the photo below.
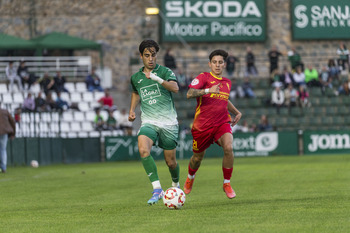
(150, 92)
(221, 96)
(212, 82)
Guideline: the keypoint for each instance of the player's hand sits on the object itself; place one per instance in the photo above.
(215, 88)
(132, 116)
(236, 119)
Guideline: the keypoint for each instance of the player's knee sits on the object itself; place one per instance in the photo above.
(228, 149)
(171, 164)
(144, 152)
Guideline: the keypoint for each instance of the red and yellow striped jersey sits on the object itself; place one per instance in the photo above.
(211, 110)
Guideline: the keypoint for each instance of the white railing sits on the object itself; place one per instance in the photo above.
(73, 68)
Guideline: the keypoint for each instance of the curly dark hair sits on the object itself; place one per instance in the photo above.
(148, 44)
(218, 52)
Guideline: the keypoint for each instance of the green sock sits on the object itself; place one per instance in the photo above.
(175, 174)
(150, 167)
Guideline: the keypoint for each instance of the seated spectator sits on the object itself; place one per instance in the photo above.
(333, 70)
(25, 76)
(253, 128)
(311, 77)
(99, 122)
(248, 88)
(344, 89)
(107, 102)
(93, 81)
(47, 83)
(59, 82)
(50, 103)
(40, 104)
(343, 53)
(277, 98)
(286, 77)
(60, 103)
(290, 96)
(124, 122)
(264, 124)
(325, 79)
(17, 116)
(303, 97)
(28, 104)
(111, 121)
(12, 76)
(236, 90)
(241, 128)
(275, 77)
(299, 77)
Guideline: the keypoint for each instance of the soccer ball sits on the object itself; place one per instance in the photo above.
(34, 163)
(174, 198)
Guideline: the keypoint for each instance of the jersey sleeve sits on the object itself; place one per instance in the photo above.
(133, 85)
(169, 75)
(198, 82)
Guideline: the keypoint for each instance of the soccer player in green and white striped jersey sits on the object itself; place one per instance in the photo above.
(153, 86)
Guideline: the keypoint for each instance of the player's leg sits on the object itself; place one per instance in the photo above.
(168, 137)
(147, 137)
(174, 168)
(226, 141)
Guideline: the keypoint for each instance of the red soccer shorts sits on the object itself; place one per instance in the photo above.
(203, 139)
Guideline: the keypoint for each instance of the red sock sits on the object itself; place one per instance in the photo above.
(227, 173)
(191, 171)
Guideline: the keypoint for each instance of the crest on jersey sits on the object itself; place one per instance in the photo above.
(194, 82)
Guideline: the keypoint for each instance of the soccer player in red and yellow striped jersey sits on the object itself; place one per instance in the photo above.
(212, 121)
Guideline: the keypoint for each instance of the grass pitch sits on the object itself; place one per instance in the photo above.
(274, 194)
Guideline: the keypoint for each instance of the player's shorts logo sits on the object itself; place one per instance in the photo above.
(194, 146)
(194, 82)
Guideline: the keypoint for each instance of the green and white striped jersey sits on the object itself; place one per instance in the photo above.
(157, 104)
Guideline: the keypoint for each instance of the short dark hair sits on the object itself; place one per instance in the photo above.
(148, 44)
(218, 52)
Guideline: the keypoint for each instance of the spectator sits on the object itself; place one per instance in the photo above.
(248, 88)
(40, 104)
(253, 128)
(275, 79)
(295, 59)
(17, 116)
(25, 76)
(343, 53)
(344, 89)
(311, 77)
(231, 65)
(273, 57)
(303, 97)
(325, 79)
(277, 98)
(264, 124)
(50, 103)
(291, 96)
(47, 83)
(182, 79)
(250, 62)
(299, 77)
(28, 104)
(333, 70)
(286, 77)
(59, 82)
(111, 121)
(7, 130)
(60, 103)
(236, 90)
(106, 102)
(99, 122)
(124, 122)
(169, 60)
(93, 81)
(11, 75)
(244, 128)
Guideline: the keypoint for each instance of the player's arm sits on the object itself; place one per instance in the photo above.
(232, 109)
(193, 93)
(170, 85)
(135, 99)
